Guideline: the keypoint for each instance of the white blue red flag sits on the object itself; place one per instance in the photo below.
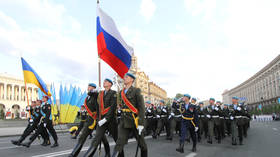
(111, 46)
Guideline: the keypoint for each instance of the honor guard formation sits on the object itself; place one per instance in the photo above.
(124, 115)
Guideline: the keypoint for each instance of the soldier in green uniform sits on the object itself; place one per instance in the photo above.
(175, 118)
(132, 117)
(107, 120)
(202, 125)
(222, 119)
(163, 112)
(213, 120)
(83, 116)
(237, 114)
(226, 113)
(149, 119)
(91, 107)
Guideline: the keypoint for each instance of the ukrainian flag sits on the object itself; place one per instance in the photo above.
(54, 105)
(30, 76)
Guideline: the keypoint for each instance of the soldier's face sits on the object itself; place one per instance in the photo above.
(128, 80)
(38, 103)
(44, 99)
(211, 102)
(90, 88)
(193, 101)
(234, 101)
(107, 84)
(201, 105)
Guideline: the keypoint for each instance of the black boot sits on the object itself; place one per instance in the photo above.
(18, 142)
(55, 144)
(27, 144)
(74, 137)
(234, 142)
(194, 148)
(180, 148)
(144, 153)
(46, 143)
(240, 143)
(91, 151)
(76, 150)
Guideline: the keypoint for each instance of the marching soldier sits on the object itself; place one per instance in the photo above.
(189, 122)
(213, 120)
(163, 113)
(203, 123)
(45, 123)
(222, 120)
(132, 117)
(237, 121)
(149, 119)
(83, 116)
(32, 124)
(175, 119)
(226, 113)
(91, 107)
(246, 118)
(107, 121)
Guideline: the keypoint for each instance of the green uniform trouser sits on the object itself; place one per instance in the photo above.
(163, 122)
(174, 122)
(123, 134)
(210, 129)
(112, 127)
(233, 130)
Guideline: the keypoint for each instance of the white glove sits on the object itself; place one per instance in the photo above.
(140, 129)
(30, 120)
(239, 108)
(208, 116)
(231, 118)
(196, 129)
(172, 114)
(45, 124)
(216, 108)
(158, 116)
(149, 111)
(28, 108)
(164, 110)
(102, 121)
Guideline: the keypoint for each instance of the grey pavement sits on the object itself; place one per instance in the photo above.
(263, 140)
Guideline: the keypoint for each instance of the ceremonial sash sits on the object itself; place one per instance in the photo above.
(92, 114)
(103, 111)
(128, 103)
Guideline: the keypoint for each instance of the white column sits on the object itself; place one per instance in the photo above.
(13, 92)
(19, 93)
(5, 91)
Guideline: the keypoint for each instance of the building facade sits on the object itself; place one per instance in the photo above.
(262, 88)
(150, 91)
(13, 98)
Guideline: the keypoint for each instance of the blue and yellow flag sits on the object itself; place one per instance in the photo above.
(30, 76)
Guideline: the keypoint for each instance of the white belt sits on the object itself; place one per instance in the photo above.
(221, 117)
(215, 116)
(177, 116)
(201, 116)
(226, 118)
(163, 116)
(149, 116)
(238, 116)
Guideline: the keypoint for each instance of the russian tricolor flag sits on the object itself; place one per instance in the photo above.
(111, 46)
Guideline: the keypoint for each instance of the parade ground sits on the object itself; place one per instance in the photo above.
(263, 140)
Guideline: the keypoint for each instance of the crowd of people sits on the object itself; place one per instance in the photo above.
(124, 115)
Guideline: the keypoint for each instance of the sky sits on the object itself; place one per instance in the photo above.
(200, 47)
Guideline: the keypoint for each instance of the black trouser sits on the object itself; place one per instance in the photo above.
(222, 127)
(174, 122)
(228, 126)
(149, 126)
(29, 129)
(218, 131)
(110, 126)
(42, 130)
(80, 127)
(186, 128)
(163, 122)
